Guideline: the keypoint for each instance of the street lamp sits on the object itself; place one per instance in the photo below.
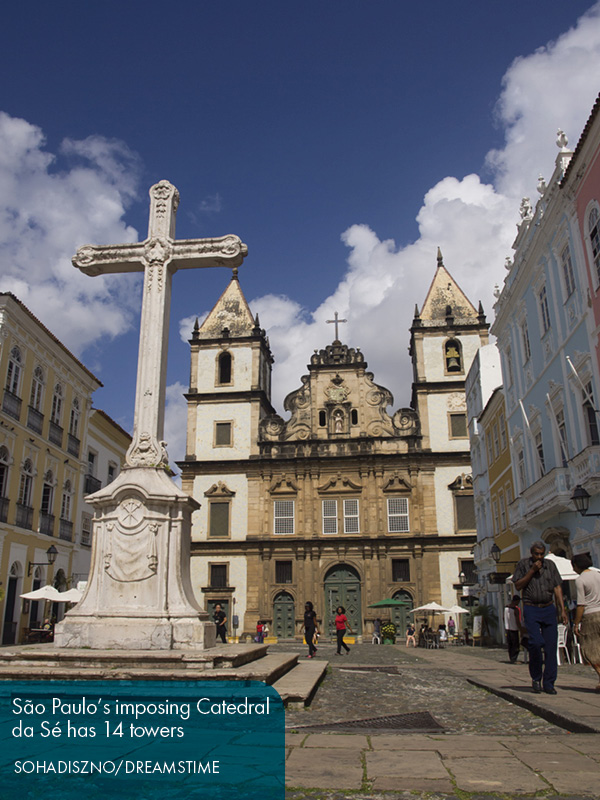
(51, 554)
(462, 578)
(495, 552)
(581, 499)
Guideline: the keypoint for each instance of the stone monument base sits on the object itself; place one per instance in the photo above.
(135, 633)
(139, 595)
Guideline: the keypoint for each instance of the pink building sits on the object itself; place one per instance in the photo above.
(582, 178)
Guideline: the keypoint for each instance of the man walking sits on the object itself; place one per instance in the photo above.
(221, 623)
(539, 582)
(512, 627)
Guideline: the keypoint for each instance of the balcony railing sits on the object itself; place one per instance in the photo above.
(47, 523)
(55, 434)
(24, 518)
(65, 530)
(548, 496)
(35, 419)
(586, 466)
(73, 445)
(4, 503)
(92, 484)
(11, 404)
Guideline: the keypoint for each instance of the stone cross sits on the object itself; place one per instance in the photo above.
(158, 257)
(335, 321)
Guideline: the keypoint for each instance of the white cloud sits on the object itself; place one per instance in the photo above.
(49, 206)
(472, 221)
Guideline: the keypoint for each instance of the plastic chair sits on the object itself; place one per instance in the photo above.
(577, 651)
(376, 638)
(562, 643)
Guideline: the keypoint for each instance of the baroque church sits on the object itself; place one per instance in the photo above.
(345, 502)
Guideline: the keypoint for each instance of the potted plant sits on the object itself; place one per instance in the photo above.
(388, 632)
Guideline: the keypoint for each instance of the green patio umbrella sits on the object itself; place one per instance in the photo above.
(389, 602)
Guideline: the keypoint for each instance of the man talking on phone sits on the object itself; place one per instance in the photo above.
(540, 585)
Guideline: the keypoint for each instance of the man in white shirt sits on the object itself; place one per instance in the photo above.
(512, 627)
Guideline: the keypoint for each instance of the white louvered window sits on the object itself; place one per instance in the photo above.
(284, 516)
(330, 516)
(351, 521)
(398, 515)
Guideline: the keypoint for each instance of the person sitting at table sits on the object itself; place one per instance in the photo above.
(443, 635)
(47, 626)
(410, 635)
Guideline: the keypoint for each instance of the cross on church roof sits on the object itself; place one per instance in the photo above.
(335, 321)
(158, 257)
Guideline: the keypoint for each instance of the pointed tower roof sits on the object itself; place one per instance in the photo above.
(231, 313)
(445, 299)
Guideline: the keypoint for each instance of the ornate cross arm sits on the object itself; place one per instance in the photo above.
(100, 259)
(225, 251)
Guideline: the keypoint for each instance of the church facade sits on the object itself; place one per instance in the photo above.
(344, 502)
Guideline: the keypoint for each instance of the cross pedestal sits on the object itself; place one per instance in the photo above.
(139, 594)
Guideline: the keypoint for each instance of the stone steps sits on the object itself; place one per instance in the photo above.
(298, 686)
(142, 666)
(226, 657)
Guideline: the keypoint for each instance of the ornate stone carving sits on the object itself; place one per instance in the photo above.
(340, 484)
(283, 485)
(457, 402)
(337, 353)
(406, 421)
(219, 489)
(462, 483)
(397, 484)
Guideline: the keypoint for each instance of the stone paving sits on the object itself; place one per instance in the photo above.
(350, 694)
(490, 748)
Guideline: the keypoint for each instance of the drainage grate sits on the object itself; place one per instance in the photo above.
(418, 721)
(358, 668)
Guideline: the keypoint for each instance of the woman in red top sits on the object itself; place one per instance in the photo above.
(341, 623)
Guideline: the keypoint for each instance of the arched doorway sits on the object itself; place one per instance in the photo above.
(9, 632)
(342, 588)
(400, 615)
(284, 614)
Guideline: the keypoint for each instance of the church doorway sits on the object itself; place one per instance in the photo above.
(400, 614)
(342, 588)
(284, 613)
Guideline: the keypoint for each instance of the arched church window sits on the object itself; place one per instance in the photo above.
(224, 368)
(322, 418)
(453, 356)
(354, 416)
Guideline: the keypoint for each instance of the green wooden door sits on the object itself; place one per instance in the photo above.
(342, 588)
(400, 615)
(284, 616)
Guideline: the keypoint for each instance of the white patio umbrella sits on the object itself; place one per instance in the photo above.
(43, 593)
(433, 608)
(70, 596)
(457, 610)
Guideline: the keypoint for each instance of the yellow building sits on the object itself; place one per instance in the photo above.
(46, 403)
(492, 421)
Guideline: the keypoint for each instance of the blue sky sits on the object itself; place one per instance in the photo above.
(343, 141)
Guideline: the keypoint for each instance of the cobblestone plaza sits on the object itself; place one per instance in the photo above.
(495, 738)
